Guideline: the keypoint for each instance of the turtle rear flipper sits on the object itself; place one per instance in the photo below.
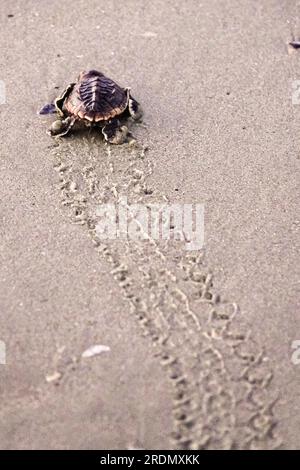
(114, 133)
(60, 127)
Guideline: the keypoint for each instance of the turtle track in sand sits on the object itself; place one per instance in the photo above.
(221, 380)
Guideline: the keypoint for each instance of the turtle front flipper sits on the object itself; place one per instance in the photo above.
(60, 100)
(135, 109)
(114, 133)
(62, 127)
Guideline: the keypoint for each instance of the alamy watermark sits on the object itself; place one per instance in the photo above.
(296, 92)
(296, 354)
(2, 353)
(2, 93)
(178, 222)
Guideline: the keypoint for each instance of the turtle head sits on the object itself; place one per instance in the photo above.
(81, 75)
(91, 73)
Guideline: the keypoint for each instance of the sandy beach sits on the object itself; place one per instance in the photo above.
(199, 345)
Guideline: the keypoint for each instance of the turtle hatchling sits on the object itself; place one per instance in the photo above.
(94, 100)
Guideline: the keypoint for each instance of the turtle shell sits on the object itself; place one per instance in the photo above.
(96, 98)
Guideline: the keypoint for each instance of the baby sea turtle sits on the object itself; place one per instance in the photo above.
(94, 100)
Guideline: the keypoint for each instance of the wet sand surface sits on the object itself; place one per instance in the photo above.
(215, 80)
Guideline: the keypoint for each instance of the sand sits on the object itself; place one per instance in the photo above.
(215, 80)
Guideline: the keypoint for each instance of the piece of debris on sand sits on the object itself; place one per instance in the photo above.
(295, 44)
(53, 377)
(95, 350)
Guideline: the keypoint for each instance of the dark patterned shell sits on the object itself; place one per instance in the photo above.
(96, 98)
